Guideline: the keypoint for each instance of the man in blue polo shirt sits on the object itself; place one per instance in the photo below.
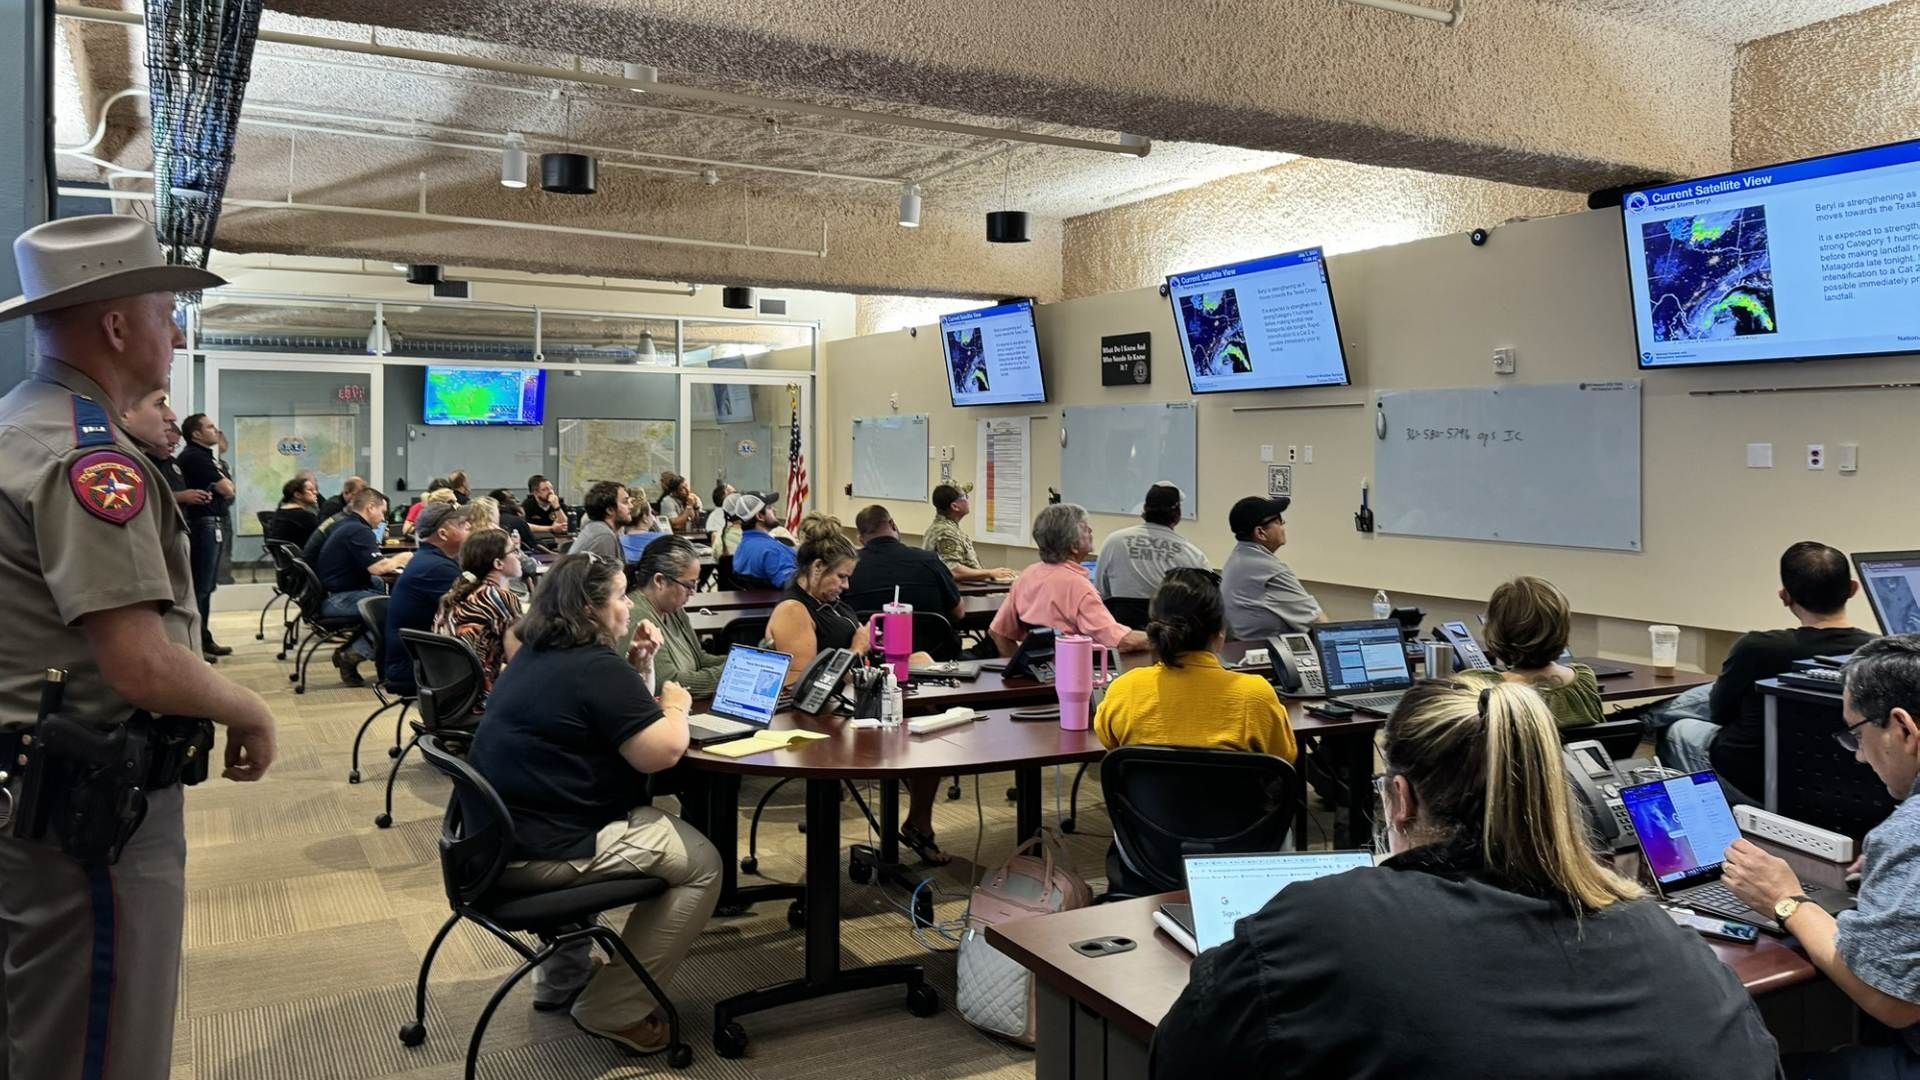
(349, 566)
(442, 528)
(759, 558)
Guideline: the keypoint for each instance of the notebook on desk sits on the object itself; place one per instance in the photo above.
(746, 699)
(1223, 889)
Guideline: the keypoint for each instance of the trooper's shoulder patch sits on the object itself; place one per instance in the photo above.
(109, 485)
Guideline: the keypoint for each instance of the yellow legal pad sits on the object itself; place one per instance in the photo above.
(762, 742)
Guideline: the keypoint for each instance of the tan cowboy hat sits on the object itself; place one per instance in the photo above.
(81, 260)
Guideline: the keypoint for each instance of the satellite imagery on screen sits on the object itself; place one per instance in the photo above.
(481, 396)
(1215, 333)
(1710, 275)
(967, 356)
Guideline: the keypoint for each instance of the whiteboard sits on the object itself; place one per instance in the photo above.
(1114, 453)
(495, 456)
(890, 457)
(1556, 464)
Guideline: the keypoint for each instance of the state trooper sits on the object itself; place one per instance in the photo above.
(97, 584)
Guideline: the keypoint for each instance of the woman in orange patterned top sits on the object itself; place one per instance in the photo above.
(481, 609)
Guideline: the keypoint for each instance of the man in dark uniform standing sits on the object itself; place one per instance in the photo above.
(94, 565)
(207, 522)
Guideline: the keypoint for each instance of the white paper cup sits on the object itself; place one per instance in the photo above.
(1666, 648)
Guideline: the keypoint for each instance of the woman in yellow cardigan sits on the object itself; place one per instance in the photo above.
(1186, 698)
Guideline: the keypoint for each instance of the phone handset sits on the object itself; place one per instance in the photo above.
(1466, 651)
(1296, 666)
(819, 686)
(1596, 783)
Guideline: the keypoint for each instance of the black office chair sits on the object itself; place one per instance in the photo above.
(1166, 802)
(1820, 783)
(476, 841)
(285, 583)
(1128, 612)
(723, 579)
(932, 634)
(748, 581)
(373, 617)
(450, 684)
(745, 630)
(1620, 737)
(318, 630)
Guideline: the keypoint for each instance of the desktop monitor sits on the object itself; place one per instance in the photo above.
(1267, 324)
(484, 395)
(993, 356)
(1809, 260)
(1892, 583)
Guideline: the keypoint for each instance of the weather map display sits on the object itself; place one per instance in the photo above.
(457, 395)
(1267, 324)
(1814, 259)
(993, 356)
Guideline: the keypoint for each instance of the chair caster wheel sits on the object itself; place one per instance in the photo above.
(801, 827)
(797, 915)
(299, 689)
(393, 751)
(749, 865)
(1013, 794)
(730, 1041)
(413, 1034)
(353, 777)
(259, 637)
(280, 656)
(383, 821)
(953, 793)
(1066, 825)
(862, 864)
(679, 1055)
(923, 1001)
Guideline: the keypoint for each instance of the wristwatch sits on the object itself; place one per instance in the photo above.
(1784, 910)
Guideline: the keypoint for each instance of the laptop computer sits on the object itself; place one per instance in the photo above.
(745, 700)
(1685, 826)
(1600, 668)
(1892, 583)
(1364, 663)
(1222, 889)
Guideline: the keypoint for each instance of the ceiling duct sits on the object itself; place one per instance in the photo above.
(199, 58)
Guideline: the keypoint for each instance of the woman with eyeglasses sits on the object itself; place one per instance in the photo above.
(1491, 943)
(667, 575)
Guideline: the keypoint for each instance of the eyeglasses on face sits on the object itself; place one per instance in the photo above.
(1849, 739)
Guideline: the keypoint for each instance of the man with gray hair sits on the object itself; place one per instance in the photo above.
(1873, 952)
(1055, 593)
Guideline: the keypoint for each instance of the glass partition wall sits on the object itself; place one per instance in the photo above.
(338, 388)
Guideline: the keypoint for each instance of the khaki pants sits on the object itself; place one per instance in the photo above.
(659, 931)
(90, 962)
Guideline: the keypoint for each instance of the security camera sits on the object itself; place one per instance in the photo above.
(1478, 237)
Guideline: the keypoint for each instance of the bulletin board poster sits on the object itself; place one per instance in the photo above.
(269, 450)
(1003, 468)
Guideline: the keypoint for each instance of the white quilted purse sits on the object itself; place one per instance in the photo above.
(996, 993)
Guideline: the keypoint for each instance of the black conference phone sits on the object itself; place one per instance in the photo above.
(1466, 651)
(819, 687)
(1296, 666)
(1597, 781)
(1034, 658)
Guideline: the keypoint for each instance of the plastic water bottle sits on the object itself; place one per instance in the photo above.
(1382, 607)
(893, 705)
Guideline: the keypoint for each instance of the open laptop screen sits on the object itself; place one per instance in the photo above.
(1362, 657)
(749, 687)
(1684, 825)
(1223, 889)
(1892, 581)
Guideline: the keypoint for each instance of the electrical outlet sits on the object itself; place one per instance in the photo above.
(1505, 362)
(1306, 455)
(1293, 453)
(1816, 456)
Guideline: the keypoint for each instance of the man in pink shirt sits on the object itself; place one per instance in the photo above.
(1057, 593)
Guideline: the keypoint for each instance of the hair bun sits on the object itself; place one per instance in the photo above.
(819, 526)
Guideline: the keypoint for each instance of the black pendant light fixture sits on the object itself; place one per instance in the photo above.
(1007, 226)
(569, 173)
(737, 298)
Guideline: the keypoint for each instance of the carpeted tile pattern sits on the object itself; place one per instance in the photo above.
(306, 925)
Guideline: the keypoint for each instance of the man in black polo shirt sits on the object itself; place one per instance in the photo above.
(442, 529)
(205, 520)
(349, 567)
(886, 564)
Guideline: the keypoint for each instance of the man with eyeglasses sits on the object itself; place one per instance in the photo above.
(1872, 952)
(1264, 596)
(666, 576)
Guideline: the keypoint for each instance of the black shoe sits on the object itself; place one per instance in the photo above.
(214, 648)
(348, 665)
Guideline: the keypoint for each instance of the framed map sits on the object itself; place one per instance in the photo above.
(633, 452)
(269, 450)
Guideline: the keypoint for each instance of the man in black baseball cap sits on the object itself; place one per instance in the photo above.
(1263, 595)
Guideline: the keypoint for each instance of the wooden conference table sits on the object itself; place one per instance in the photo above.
(709, 621)
(756, 599)
(1096, 1016)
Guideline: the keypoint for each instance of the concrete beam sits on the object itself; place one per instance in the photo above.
(1521, 92)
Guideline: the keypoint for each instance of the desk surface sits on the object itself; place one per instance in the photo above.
(1135, 989)
(749, 599)
(709, 619)
(987, 745)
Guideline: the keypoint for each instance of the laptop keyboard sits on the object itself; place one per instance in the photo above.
(1720, 897)
(1382, 703)
(707, 725)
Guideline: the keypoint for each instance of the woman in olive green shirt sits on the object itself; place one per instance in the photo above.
(1528, 623)
(669, 572)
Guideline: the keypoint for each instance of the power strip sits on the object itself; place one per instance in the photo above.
(1797, 835)
(954, 717)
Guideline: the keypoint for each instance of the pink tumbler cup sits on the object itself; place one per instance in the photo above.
(1073, 678)
(890, 633)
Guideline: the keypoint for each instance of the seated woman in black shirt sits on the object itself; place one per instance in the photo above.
(812, 617)
(570, 735)
(1492, 943)
(296, 517)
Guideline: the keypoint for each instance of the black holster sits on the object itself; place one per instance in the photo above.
(83, 787)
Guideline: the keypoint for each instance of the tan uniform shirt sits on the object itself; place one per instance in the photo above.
(945, 538)
(85, 526)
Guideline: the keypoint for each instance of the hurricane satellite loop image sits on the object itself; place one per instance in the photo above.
(967, 358)
(1215, 333)
(1710, 276)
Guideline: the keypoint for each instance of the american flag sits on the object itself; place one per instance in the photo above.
(796, 467)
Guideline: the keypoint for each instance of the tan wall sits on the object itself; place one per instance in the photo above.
(1836, 85)
(1428, 314)
(1334, 204)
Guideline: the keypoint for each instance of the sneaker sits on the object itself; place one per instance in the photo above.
(348, 665)
(649, 1036)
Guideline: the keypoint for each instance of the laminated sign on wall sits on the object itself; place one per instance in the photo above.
(1279, 481)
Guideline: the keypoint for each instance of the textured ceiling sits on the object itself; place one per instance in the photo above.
(1731, 21)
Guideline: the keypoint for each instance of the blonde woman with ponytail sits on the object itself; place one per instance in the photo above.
(1491, 943)
(481, 608)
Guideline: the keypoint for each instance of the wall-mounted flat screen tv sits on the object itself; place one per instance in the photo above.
(993, 356)
(1265, 324)
(485, 395)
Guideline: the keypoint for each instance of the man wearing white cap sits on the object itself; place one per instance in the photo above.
(93, 561)
(762, 561)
